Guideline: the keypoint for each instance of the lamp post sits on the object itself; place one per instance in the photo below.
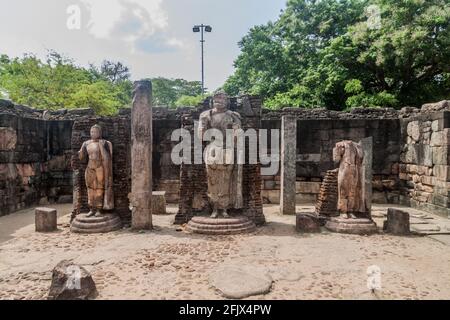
(202, 28)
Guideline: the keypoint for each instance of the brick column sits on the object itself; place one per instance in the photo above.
(288, 164)
(141, 156)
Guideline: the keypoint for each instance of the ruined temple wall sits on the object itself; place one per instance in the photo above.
(118, 131)
(425, 160)
(34, 158)
(317, 133)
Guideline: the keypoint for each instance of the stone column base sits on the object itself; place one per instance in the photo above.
(360, 226)
(103, 224)
(211, 226)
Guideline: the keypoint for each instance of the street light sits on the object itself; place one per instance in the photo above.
(202, 28)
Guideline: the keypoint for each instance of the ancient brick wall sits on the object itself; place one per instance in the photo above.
(425, 168)
(193, 179)
(118, 131)
(316, 139)
(34, 159)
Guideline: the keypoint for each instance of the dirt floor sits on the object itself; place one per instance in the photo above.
(170, 264)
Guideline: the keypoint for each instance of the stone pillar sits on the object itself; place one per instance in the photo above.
(45, 219)
(367, 146)
(141, 156)
(288, 164)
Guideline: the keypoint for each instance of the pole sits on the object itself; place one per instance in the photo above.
(203, 60)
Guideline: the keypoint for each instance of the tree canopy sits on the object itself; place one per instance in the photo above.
(58, 83)
(175, 92)
(348, 53)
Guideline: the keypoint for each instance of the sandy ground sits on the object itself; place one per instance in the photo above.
(169, 264)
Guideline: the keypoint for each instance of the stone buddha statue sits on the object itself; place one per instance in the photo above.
(223, 172)
(350, 156)
(98, 175)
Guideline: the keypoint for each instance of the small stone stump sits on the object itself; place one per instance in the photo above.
(159, 203)
(307, 223)
(71, 282)
(397, 222)
(45, 219)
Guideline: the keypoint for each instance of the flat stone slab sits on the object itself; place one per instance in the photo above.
(228, 226)
(103, 224)
(352, 226)
(239, 282)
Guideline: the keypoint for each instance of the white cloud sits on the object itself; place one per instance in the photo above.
(128, 20)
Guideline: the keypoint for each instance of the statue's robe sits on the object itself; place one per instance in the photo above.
(98, 174)
(223, 170)
(350, 177)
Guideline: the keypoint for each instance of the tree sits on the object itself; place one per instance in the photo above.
(347, 53)
(58, 83)
(189, 101)
(113, 71)
(166, 92)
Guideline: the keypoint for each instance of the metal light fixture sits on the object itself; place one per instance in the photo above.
(202, 28)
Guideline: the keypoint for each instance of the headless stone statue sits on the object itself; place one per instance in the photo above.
(351, 201)
(98, 173)
(224, 173)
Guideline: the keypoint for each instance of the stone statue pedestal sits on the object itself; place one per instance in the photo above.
(361, 226)
(105, 223)
(228, 226)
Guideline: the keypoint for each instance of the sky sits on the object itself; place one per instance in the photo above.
(153, 37)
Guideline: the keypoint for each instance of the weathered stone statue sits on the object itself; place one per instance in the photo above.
(351, 200)
(223, 171)
(98, 175)
(354, 215)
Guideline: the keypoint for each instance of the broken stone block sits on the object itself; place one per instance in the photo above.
(159, 202)
(414, 130)
(397, 222)
(307, 223)
(45, 220)
(71, 282)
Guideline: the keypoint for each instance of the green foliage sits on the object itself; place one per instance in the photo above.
(348, 53)
(58, 83)
(189, 101)
(166, 92)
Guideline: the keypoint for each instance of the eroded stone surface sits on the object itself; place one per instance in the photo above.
(8, 139)
(238, 282)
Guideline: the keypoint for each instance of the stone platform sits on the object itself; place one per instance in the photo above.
(352, 226)
(103, 224)
(228, 226)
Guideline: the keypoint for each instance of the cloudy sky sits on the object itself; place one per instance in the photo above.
(153, 37)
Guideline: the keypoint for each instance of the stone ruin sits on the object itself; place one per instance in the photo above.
(39, 164)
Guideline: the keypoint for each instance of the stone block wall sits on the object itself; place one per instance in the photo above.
(411, 159)
(34, 159)
(316, 139)
(425, 168)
